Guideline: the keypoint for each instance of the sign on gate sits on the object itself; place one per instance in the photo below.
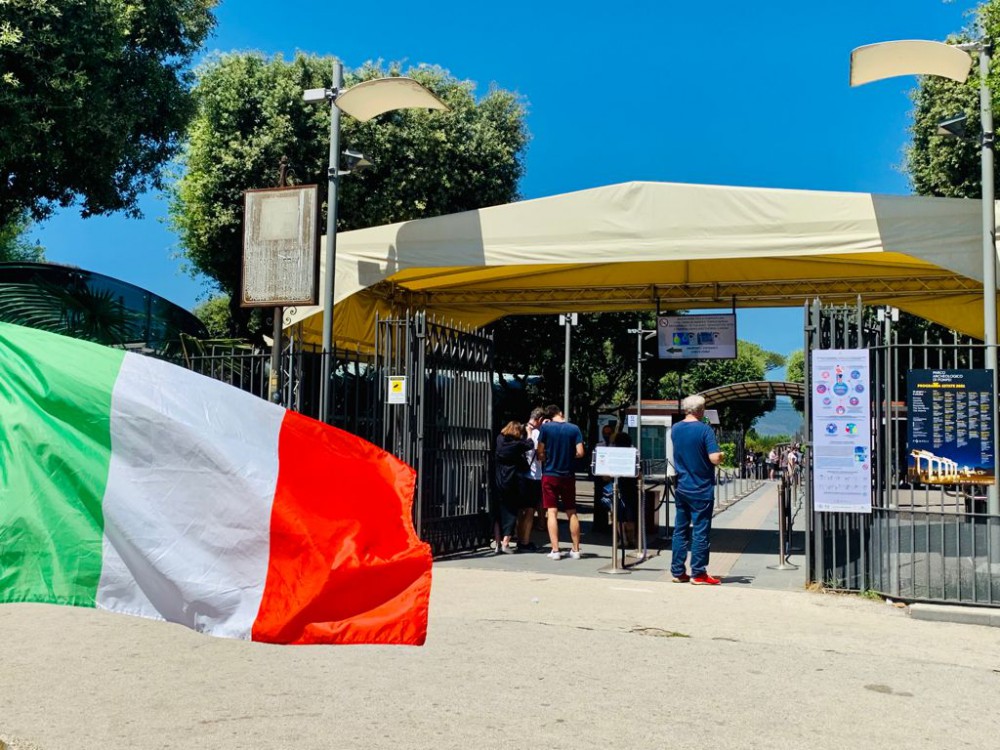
(397, 390)
(950, 429)
(841, 416)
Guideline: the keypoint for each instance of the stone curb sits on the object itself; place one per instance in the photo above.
(989, 616)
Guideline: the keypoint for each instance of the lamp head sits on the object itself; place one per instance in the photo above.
(355, 161)
(313, 96)
(953, 127)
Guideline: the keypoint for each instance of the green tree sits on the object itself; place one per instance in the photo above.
(214, 313)
(942, 165)
(751, 363)
(530, 352)
(251, 113)
(795, 367)
(530, 355)
(93, 99)
(15, 245)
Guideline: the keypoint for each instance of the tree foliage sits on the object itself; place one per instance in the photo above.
(942, 165)
(530, 356)
(15, 245)
(750, 364)
(251, 113)
(214, 313)
(94, 95)
(795, 367)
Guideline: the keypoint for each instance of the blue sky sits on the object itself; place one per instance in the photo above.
(725, 93)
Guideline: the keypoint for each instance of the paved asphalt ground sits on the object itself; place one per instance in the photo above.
(548, 657)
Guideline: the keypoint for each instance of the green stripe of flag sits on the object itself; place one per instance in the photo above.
(55, 450)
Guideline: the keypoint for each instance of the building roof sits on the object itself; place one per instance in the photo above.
(92, 306)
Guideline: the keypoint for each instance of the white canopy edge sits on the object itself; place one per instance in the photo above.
(643, 221)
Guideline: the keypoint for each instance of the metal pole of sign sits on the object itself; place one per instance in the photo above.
(989, 263)
(274, 381)
(330, 261)
(616, 567)
(641, 550)
(569, 319)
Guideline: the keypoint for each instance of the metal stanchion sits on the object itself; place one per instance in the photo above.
(640, 523)
(616, 568)
(783, 493)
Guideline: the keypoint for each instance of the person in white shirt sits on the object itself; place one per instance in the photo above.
(532, 486)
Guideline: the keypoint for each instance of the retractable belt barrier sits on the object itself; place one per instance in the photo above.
(785, 490)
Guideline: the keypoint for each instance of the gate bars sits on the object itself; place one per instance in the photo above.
(921, 542)
(444, 428)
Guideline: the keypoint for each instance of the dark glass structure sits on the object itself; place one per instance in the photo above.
(91, 306)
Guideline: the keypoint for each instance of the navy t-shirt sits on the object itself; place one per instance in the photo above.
(693, 441)
(560, 440)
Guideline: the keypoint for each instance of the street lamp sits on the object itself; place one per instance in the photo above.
(569, 320)
(362, 102)
(920, 57)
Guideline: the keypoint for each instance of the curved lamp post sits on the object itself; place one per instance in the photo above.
(919, 57)
(362, 102)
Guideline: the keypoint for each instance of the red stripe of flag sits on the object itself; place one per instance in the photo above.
(345, 563)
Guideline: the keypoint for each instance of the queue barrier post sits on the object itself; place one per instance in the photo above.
(784, 502)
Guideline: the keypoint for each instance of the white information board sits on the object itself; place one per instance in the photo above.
(841, 422)
(280, 246)
(615, 462)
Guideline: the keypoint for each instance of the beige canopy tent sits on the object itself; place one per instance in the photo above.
(640, 245)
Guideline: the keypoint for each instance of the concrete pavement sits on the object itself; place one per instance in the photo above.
(554, 657)
(744, 546)
(517, 659)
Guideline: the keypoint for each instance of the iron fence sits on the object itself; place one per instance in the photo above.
(441, 426)
(922, 541)
(353, 381)
(444, 428)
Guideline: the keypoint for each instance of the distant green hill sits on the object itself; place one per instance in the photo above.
(783, 420)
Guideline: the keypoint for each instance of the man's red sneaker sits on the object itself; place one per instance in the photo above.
(705, 580)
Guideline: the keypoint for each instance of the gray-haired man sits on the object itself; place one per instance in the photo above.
(696, 454)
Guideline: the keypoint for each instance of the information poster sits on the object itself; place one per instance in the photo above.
(950, 428)
(711, 336)
(841, 417)
(615, 462)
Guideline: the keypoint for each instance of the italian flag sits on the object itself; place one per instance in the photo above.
(136, 486)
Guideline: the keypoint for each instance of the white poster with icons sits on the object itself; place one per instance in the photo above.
(841, 421)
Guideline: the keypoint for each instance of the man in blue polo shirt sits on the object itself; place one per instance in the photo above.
(696, 454)
(560, 443)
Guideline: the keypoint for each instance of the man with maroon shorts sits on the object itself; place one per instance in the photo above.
(560, 443)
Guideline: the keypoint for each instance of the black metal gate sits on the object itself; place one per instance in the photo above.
(921, 541)
(441, 425)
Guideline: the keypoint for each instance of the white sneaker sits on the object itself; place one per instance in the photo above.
(574, 554)
(554, 555)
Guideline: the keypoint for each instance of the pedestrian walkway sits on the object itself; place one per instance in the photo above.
(744, 544)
